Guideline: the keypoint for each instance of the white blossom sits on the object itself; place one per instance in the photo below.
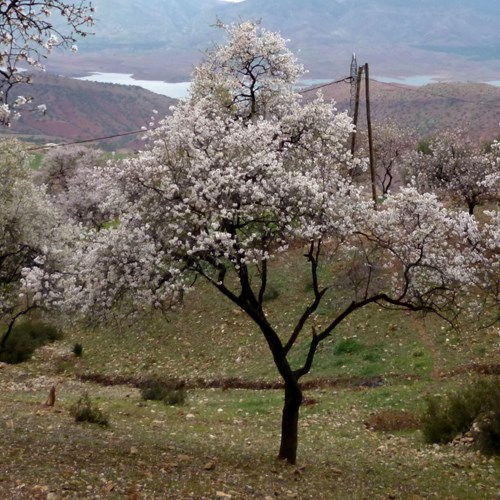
(454, 167)
(28, 33)
(30, 229)
(238, 173)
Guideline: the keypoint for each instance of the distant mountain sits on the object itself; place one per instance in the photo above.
(452, 39)
(81, 110)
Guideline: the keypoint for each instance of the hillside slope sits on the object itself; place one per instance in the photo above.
(428, 109)
(81, 110)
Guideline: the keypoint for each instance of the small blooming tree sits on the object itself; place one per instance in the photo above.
(238, 173)
(70, 174)
(29, 31)
(454, 167)
(391, 143)
(489, 246)
(29, 225)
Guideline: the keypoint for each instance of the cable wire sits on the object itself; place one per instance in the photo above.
(83, 141)
(347, 79)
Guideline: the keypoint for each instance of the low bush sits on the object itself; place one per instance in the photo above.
(84, 410)
(475, 409)
(170, 392)
(486, 429)
(25, 338)
(392, 421)
(77, 350)
(270, 294)
(347, 346)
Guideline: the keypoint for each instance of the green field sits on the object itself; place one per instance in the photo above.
(222, 442)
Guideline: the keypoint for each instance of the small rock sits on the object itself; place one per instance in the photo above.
(109, 487)
(209, 466)
(134, 450)
(221, 494)
(132, 493)
(39, 489)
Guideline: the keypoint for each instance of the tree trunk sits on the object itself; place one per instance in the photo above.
(290, 422)
(6, 335)
(10, 327)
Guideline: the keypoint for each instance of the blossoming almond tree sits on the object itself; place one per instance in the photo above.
(238, 173)
(30, 228)
(489, 282)
(71, 177)
(454, 167)
(391, 144)
(28, 33)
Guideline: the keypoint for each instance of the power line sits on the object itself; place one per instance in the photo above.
(142, 131)
(84, 141)
(418, 90)
(347, 79)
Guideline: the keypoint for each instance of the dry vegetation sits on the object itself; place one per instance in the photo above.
(81, 110)
(429, 109)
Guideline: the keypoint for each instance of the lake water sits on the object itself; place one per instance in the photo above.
(423, 80)
(180, 90)
(176, 90)
(408, 80)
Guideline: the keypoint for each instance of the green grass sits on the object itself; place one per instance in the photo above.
(225, 440)
(36, 161)
(209, 337)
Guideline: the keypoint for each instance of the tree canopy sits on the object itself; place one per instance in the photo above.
(30, 230)
(454, 167)
(240, 172)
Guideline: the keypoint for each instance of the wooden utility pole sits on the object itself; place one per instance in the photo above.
(366, 70)
(356, 109)
(353, 75)
(370, 136)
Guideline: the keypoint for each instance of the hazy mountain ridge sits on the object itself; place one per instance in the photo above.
(445, 38)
